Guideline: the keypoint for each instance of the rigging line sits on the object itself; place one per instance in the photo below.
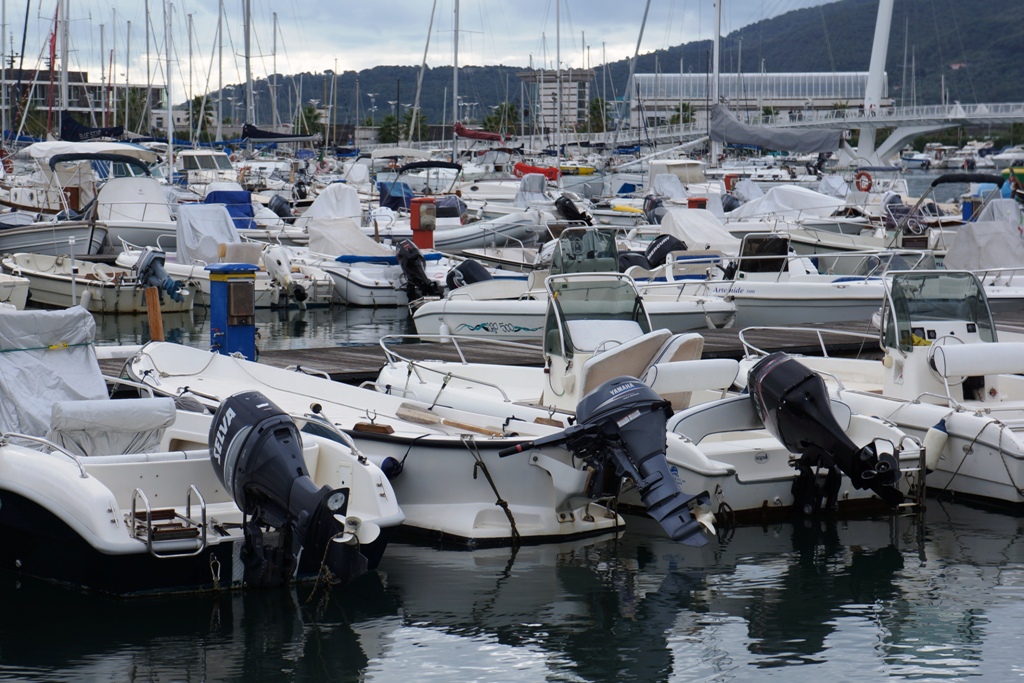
(828, 43)
(938, 47)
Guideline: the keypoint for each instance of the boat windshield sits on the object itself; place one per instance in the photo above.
(586, 309)
(919, 298)
(585, 251)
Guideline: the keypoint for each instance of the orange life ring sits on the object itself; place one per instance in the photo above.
(322, 166)
(863, 181)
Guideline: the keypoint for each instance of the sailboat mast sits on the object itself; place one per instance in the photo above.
(127, 63)
(273, 88)
(168, 8)
(455, 86)
(220, 71)
(716, 147)
(249, 104)
(423, 68)
(65, 8)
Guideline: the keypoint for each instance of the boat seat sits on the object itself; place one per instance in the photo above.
(973, 360)
(676, 382)
(590, 334)
(685, 346)
(240, 252)
(629, 358)
(110, 427)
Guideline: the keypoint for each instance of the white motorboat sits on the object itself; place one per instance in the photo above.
(721, 444)
(515, 310)
(134, 495)
(207, 235)
(446, 464)
(945, 378)
(14, 291)
(100, 287)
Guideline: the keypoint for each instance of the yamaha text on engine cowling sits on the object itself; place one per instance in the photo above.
(256, 451)
(794, 405)
(620, 430)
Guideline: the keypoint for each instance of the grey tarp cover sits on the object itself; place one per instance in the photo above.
(106, 427)
(993, 241)
(727, 128)
(201, 229)
(34, 376)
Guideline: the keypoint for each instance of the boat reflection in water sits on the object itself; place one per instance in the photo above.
(923, 600)
(278, 329)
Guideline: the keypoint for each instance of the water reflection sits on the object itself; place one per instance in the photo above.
(277, 329)
(937, 600)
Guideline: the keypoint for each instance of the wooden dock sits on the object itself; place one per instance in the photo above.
(355, 364)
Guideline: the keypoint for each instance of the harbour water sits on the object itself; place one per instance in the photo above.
(925, 600)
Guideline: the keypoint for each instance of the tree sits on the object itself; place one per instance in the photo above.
(388, 129)
(200, 114)
(503, 119)
(309, 120)
(682, 113)
(599, 115)
(136, 121)
(422, 129)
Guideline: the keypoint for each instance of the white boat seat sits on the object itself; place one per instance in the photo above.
(240, 252)
(676, 381)
(973, 360)
(679, 347)
(630, 358)
(110, 427)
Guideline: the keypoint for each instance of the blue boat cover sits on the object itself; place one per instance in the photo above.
(395, 195)
(389, 260)
(238, 204)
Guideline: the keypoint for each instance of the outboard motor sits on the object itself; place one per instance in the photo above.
(417, 284)
(620, 431)
(654, 209)
(568, 210)
(794, 405)
(152, 274)
(256, 451)
(730, 203)
(279, 268)
(660, 247)
(280, 206)
(632, 258)
(466, 273)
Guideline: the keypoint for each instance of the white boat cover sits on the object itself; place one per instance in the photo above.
(337, 200)
(106, 427)
(700, 229)
(201, 229)
(44, 150)
(532, 190)
(133, 199)
(341, 236)
(995, 240)
(747, 190)
(668, 185)
(834, 186)
(789, 201)
(45, 357)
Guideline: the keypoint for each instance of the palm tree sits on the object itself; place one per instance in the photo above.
(309, 120)
(200, 113)
(503, 119)
(388, 129)
(683, 113)
(598, 115)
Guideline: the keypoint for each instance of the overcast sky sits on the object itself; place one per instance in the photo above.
(319, 35)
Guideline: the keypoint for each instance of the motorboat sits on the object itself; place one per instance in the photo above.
(596, 328)
(207, 235)
(61, 281)
(134, 495)
(946, 377)
(510, 309)
(447, 465)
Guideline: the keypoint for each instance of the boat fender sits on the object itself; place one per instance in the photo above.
(934, 443)
(864, 181)
(445, 333)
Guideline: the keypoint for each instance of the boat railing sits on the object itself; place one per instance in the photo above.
(1000, 277)
(396, 359)
(750, 349)
(179, 527)
(6, 438)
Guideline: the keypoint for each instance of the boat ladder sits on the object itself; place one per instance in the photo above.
(165, 531)
(914, 475)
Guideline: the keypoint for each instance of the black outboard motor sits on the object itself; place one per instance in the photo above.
(654, 209)
(568, 210)
(632, 258)
(417, 284)
(660, 247)
(620, 430)
(256, 451)
(730, 203)
(152, 274)
(466, 273)
(794, 405)
(280, 206)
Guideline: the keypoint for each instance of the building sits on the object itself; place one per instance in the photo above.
(655, 98)
(546, 88)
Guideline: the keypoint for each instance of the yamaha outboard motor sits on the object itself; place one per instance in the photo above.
(417, 284)
(568, 210)
(256, 451)
(466, 273)
(620, 431)
(152, 274)
(658, 250)
(795, 407)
